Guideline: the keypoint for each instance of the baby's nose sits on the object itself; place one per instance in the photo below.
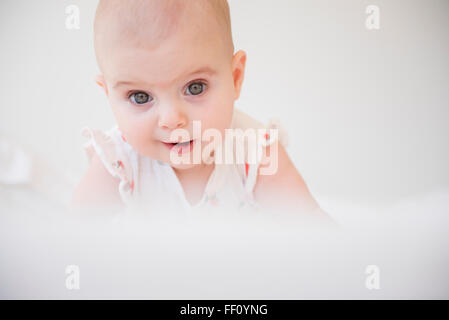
(171, 117)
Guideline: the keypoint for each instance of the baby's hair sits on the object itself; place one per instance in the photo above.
(146, 23)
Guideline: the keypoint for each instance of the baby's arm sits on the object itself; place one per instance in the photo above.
(98, 188)
(285, 190)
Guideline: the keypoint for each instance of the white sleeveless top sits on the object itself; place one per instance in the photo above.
(150, 184)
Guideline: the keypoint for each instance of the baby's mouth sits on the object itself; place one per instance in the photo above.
(179, 144)
(180, 147)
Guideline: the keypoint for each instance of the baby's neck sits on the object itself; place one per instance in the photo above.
(194, 181)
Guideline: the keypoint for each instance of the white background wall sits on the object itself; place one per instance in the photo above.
(367, 111)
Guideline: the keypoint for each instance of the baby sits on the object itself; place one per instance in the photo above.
(167, 66)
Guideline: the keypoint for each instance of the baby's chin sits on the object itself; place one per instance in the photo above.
(184, 166)
(190, 165)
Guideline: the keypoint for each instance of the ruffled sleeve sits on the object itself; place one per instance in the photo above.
(282, 135)
(273, 131)
(114, 152)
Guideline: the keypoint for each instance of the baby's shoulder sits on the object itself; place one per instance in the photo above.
(272, 130)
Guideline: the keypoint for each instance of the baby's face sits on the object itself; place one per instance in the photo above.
(153, 92)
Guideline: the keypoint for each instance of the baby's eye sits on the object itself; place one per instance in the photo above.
(139, 97)
(196, 88)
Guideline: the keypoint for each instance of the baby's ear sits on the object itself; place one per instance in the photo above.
(238, 71)
(99, 79)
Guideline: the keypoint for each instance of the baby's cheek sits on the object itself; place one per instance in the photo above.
(123, 117)
(223, 116)
(137, 133)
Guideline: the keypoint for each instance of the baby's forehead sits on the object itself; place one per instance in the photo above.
(148, 23)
